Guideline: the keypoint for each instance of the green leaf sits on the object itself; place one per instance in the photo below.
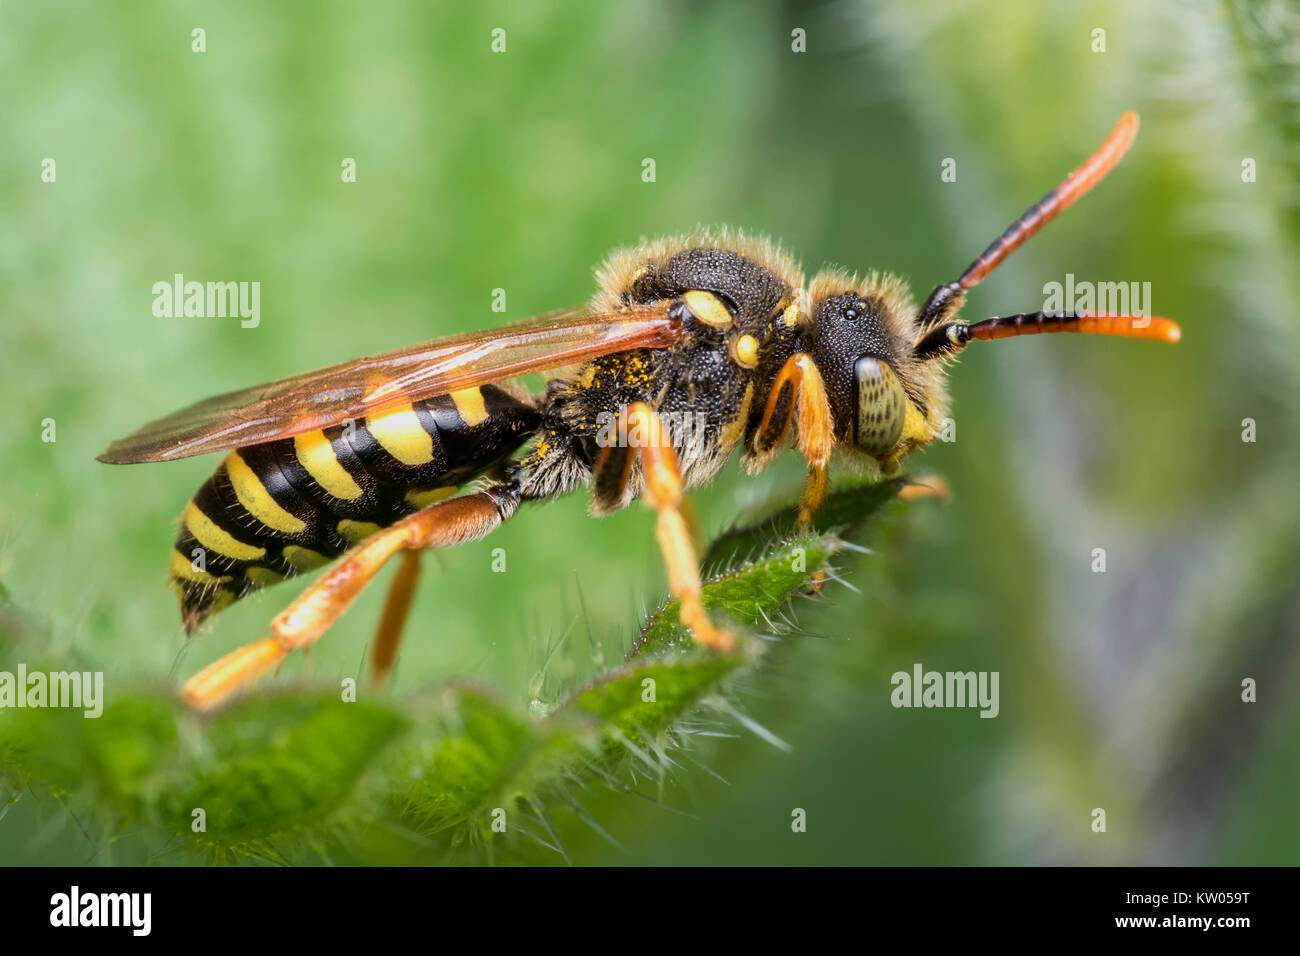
(844, 513)
(481, 755)
(278, 763)
(275, 774)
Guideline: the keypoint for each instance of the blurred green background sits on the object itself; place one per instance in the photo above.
(520, 170)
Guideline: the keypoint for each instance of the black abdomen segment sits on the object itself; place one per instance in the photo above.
(273, 510)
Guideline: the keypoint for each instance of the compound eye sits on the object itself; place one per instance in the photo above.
(882, 406)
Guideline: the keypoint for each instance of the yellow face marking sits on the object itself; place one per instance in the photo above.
(304, 559)
(916, 434)
(745, 351)
(915, 428)
(400, 433)
(791, 314)
(469, 406)
(263, 577)
(181, 567)
(217, 539)
(356, 531)
(708, 308)
(734, 430)
(252, 494)
(317, 456)
(422, 499)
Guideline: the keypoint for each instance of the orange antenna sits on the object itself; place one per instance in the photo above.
(1036, 323)
(945, 299)
(952, 337)
(1093, 171)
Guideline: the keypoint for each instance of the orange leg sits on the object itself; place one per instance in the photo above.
(926, 486)
(663, 492)
(383, 650)
(799, 394)
(454, 521)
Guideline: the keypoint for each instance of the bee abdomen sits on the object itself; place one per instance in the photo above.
(274, 510)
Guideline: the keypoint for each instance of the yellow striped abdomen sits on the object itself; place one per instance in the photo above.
(274, 510)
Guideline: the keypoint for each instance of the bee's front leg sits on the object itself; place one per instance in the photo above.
(663, 492)
(799, 394)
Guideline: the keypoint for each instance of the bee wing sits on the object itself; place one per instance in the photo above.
(351, 390)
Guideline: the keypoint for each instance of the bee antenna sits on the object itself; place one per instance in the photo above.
(952, 337)
(946, 299)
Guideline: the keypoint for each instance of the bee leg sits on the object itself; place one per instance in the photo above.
(450, 522)
(663, 491)
(383, 650)
(799, 394)
(925, 486)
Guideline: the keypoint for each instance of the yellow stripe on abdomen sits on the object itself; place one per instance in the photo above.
(185, 570)
(317, 457)
(422, 499)
(356, 531)
(304, 559)
(263, 577)
(252, 494)
(469, 406)
(215, 538)
(402, 436)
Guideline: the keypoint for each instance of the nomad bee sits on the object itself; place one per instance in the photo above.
(360, 462)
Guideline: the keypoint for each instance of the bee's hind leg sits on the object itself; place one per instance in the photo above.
(383, 649)
(454, 521)
(663, 491)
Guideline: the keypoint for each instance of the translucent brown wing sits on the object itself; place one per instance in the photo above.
(350, 390)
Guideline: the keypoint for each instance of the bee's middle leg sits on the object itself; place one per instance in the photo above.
(663, 491)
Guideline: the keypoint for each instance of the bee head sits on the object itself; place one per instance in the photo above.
(883, 402)
(881, 361)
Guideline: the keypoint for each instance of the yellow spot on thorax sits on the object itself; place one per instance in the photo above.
(708, 308)
(745, 351)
